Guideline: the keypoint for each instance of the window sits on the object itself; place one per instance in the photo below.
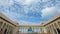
(41, 30)
(29, 29)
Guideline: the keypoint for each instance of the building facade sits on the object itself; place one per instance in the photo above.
(31, 29)
(53, 25)
(7, 26)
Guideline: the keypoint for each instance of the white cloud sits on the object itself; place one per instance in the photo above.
(59, 9)
(45, 0)
(49, 11)
(24, 1)
(27, 2)
(11, 15)
(6, 2)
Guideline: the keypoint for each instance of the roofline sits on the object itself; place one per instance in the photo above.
(2, 16)
(45, 23)
(52, 19)
(39, 25)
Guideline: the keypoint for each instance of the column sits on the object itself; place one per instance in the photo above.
(52, 29)
(8, 29)
(4, 28)
(49, 29)
(2, 25)
(57, 25)
(55, 28)
(12, 30)
(45, 30)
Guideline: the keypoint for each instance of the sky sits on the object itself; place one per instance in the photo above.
(30, 11)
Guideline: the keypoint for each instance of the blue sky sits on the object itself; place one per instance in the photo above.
(30, 11)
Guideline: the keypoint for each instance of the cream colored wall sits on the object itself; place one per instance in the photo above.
(16, 29)
(6, 25)
(45, 30)
(24, 29)
(53, 26)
